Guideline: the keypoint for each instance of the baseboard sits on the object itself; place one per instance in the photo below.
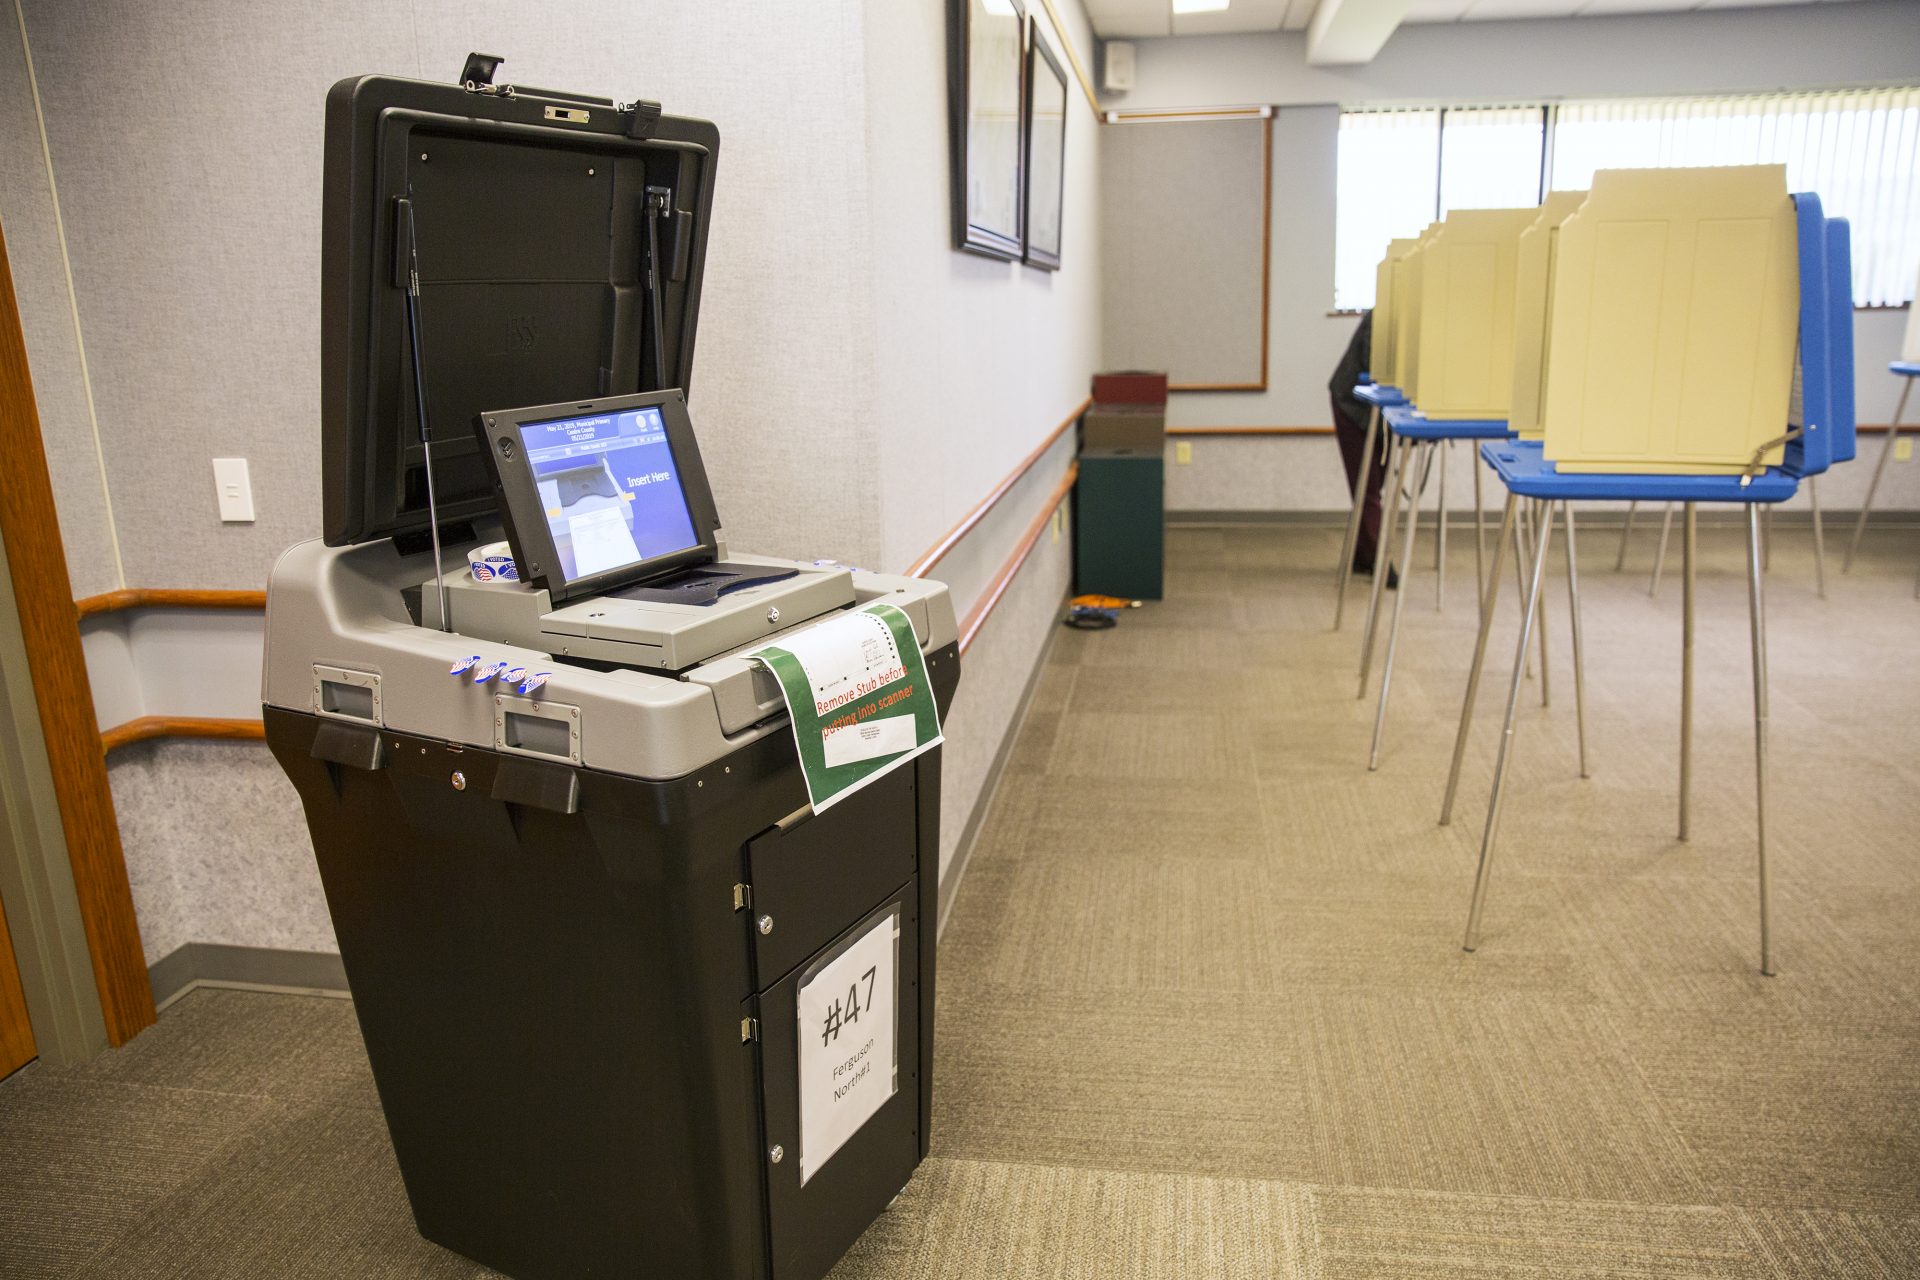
(212, 964)
(963, 851)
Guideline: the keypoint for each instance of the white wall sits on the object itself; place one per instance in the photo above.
(1874, 42)
(975, 362)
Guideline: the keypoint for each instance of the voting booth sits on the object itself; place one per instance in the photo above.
(1464, 355)
(1676, 293)
(639, 925)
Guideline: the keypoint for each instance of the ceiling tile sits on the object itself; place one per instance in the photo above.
(1435, 10)
(1130, 19)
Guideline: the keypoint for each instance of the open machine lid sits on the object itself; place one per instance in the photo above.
(536, 224)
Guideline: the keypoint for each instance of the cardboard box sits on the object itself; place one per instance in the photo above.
(1139, 428)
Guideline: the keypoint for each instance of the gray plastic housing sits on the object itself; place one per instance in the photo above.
(342, 611)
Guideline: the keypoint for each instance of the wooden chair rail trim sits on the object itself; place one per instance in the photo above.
(984, 606)
(147, 728)
(1204, 387)
(951, 538)
(168, 598)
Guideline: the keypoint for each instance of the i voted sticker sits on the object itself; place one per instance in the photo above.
(514, 675)
(460, 667)
(483, 674)
(535, 681)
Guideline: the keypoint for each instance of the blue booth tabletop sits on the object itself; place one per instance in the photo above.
(1523, 468)
(1405, 420)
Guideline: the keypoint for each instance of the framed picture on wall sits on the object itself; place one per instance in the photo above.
(1046, 157)
(986, 78)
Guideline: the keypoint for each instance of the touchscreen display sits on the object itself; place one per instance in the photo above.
(610, 490)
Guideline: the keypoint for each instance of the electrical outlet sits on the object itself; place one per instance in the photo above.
(1182, 452)
(234, 489)
(1903, 449)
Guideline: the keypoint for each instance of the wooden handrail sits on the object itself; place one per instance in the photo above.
(951, 538)
(977, 616)
(168, 598)
(146, 728)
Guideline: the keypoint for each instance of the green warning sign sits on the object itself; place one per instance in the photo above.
(857, 692)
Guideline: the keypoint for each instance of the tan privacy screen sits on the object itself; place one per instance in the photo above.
(1676, 293)
(1466, 313)
(1532, 303)
(1383, 313)
(1183, 226)
(1406, 315)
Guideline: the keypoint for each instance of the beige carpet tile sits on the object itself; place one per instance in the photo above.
(1155, 1081)
(1508, 1095)
(1399, 1235)
(82, 1162)
(1787, 1110)
(253, 1043)
(1040, 815)
(1810, 1244)
(312, 1191)
(1198, 745)
(980, 1220)
(1134, 924)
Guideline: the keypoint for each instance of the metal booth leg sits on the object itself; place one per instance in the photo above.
(1766, 539)
(1757, 607)
(1522, 557)
(1626, 531)
(1660, 556)
(1543, 531)
(1873, 485)
(1479, 525)
(1579, 656)
(1428, 452)
(1445, 454)
(1688, 548)
(1507, 533)
(1819, 538)
(1382, 557)
(1494, 804)
(1344, 569)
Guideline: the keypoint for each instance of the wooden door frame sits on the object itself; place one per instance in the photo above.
(68, 736)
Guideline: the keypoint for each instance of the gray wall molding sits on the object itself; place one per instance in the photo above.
(212, 964)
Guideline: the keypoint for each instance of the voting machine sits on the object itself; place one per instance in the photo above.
(581, 895)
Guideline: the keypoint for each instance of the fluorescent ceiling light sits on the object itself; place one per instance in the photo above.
(1200, 6)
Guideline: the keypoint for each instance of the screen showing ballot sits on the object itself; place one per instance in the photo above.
(610, 490)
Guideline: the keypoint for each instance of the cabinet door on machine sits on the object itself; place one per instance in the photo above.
(16, 1035)
(840, 1082)
(812, 879)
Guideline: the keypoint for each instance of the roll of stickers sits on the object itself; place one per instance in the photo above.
(493, 563)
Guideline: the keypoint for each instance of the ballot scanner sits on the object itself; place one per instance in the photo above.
(563, 831)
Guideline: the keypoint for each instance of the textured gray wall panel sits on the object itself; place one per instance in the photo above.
(1181, 207)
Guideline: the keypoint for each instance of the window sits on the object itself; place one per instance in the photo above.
(1859, 149)
(1400, 170)
(1387, 168)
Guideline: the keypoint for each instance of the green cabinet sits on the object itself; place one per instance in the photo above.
(1118, 520)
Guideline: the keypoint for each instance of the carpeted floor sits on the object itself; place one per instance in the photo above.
(1204, 1011)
